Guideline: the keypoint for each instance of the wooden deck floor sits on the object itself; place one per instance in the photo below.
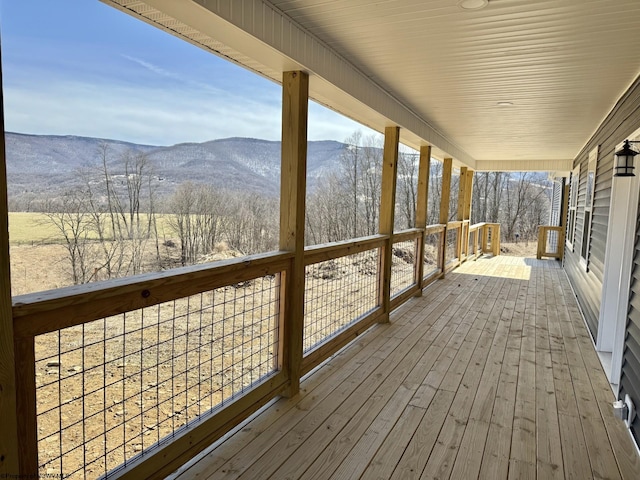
(491, 374)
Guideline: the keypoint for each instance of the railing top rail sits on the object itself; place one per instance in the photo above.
(550, 227)
(455, 224)
(51, 310)
(329, 251)
(404, 235)
(477, 225)
(438, 227)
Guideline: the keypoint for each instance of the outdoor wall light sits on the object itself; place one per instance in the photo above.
(624, 160)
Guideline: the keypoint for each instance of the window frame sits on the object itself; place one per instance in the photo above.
(590, 193)
(574, 188)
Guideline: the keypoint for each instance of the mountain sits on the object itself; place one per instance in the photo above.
(38, 164)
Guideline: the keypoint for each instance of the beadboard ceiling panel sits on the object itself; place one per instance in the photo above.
(438, 71)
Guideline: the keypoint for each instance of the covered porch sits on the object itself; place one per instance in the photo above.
(490, 374)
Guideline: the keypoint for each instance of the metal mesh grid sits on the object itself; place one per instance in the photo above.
(452, 245)
(108, 390)
(402, 266)
(337, 293)
(552, 241)
(430, 258)
(471, 248)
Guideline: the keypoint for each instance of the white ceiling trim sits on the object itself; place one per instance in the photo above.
(523, 165)
(255, 34)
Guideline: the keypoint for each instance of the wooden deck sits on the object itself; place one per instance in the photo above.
(491, 374)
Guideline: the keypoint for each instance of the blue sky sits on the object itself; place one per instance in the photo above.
(79, 67)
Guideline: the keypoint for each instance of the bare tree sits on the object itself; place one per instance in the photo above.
(68, 214)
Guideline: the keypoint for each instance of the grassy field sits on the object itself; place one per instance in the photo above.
(32, 228)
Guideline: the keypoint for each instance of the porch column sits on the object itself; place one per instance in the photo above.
(468, 194)
(422, 208)
(387, 212)
(462, 188)
(447, 166)
(9, 464)
(295, 96)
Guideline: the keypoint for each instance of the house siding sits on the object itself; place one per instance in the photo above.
(630, 377)
(621, 122)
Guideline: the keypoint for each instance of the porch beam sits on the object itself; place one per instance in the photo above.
(387, 212)
(9, 461)
(295, 98)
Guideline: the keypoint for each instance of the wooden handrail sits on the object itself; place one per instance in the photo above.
(406, 235)
(43, 312)
(331, 251)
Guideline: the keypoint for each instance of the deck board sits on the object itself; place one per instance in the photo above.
(490, 374)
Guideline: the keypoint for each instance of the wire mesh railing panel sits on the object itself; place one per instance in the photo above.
(403, 263)
(431, 253)
(470, 242)
(338, 292)
(452, 245)
(108, 390)
(552, 241)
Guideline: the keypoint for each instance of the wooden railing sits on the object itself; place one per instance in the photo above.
(550, 242)
(132, 377)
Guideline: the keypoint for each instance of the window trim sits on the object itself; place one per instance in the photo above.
(574, 188)
(590, 193)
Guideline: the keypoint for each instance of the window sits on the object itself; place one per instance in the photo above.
(588, 207)
(573, 204)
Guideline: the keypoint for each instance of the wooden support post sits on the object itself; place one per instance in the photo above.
(468, 194)
(563, 222)
(447, 166)
(295, 97)
(387, 211)
(462, 188)
(10, 464)
(542, 237)
(421, 210)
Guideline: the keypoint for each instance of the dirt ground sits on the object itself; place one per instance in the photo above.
(520, 249)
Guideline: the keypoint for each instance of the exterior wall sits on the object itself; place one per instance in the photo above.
(556, 203)
(630, 379)
(621, 122)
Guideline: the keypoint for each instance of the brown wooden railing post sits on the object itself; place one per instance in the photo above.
(9, 461)
(447, 166)
(421, 210)
(563, 222)
(387, 211)
(542, 237)
(295, 96)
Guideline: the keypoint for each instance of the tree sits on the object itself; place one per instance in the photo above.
(69, 216)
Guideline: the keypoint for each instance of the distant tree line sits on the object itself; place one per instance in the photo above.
(114, 224)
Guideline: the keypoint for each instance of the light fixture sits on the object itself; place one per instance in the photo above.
(472, 4)
(505, 104)
(624, 160)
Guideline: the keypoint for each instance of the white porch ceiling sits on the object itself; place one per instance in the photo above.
(434, 69)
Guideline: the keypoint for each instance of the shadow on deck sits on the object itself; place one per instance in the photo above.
(490, 374)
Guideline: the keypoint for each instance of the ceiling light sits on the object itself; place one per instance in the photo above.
(624, 160)
(505, 104)
(473, 4)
